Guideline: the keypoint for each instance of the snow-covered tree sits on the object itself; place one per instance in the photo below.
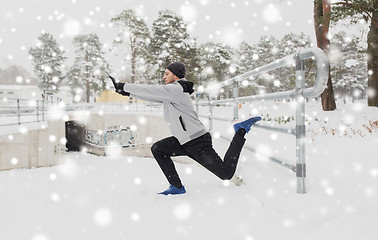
(15, 74)
(47, 58)
(171, 42)
(247, 60)
(289, 44)
(368, 11)
(348, 65)
(88, 70)
(267, 50)
(75, 82)
(133, 34)
(216, 60)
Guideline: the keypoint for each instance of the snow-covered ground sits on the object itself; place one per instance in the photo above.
(92, 197)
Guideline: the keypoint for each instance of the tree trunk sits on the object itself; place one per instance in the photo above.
(322, 11)
(372, 51)
(88, 90)
(87, 85)
(133, 58)
(133, 67)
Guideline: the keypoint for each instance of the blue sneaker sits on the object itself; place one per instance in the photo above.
(247, 124)
(174, 190)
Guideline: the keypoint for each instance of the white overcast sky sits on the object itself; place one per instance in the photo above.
(230, 21)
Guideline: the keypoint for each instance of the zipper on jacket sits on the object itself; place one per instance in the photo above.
(182, 123)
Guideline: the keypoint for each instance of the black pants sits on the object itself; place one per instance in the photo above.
(201, 150)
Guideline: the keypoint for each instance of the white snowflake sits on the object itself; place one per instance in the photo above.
(14, 161)
(271, 14)
(135, 217)
(102, 217)
(182, 211)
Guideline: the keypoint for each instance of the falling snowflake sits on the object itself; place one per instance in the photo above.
(135, 217)
(71, 27)
(271, 14)
(55, 197)
(188, 12)
(102, 217)
(40, 237)
(14, 161)
(182, 211)
(52, 176)
(137, 181)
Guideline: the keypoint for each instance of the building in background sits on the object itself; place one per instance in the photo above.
(111, 96)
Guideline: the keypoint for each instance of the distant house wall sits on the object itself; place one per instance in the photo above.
(39, 147)
(145, 129)
(42, 147)
(111, 96)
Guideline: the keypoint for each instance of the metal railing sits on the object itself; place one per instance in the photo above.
(21, 111)
(24, 111)
(299, 94)
(121, 107)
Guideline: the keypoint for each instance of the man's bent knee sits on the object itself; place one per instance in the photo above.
(226, 175)
(154, 148)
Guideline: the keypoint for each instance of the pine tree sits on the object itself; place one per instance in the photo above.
(247, 60)
(47, 58)
(88, 70)
(267, 50)
(292, 43)
(134, 34)
(76, 84)
(9, 76)
(348, 65)
(216, 59)
(368, 11)
(171, 42)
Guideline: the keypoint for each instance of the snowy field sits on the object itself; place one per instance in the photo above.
(92, 197)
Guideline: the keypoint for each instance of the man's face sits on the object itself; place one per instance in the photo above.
(169, 77)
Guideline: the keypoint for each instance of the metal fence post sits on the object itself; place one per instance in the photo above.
(37, 111)
(18, 111)
(43, 109)
(197, 99)
(300, 126)
(235, 96)
(210, 114)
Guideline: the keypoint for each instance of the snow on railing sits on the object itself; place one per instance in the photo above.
(299, 94)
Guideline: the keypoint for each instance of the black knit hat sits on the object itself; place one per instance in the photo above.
(177, 69)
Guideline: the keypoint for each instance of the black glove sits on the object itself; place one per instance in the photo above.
(119, 89)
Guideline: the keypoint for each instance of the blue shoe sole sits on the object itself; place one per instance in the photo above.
(246, 124)
(173, 191)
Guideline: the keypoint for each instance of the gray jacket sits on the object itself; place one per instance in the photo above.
(179, 111)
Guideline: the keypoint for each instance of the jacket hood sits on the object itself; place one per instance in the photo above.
(186, 85)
